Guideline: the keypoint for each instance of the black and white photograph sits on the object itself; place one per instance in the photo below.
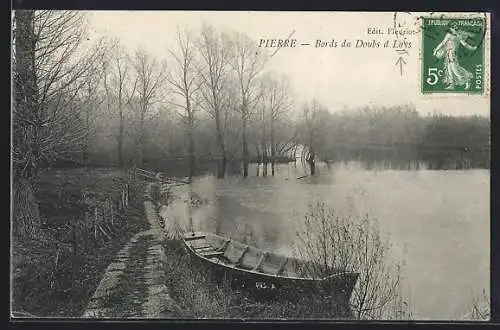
(250, 165)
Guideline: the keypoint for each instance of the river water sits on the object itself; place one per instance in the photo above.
(438, 222)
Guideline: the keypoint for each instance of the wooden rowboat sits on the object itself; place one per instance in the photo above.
(266, 273)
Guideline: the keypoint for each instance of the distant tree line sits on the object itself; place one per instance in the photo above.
(400, 136)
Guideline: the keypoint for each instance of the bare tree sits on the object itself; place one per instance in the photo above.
(183, 84)
(231, 122)
(211, 70)
(312, 128)
(261, 135)
(50, 68)
(90, 98)
(278, 102)
(149, 74)
(247, 62)
(116, 81)
(26, 215)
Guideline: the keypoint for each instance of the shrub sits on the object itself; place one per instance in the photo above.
(336, 242)
(480, 308)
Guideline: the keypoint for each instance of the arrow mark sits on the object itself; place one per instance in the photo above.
(401, 62)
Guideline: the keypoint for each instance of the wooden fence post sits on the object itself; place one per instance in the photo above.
(123, 199)
(74, 254)
(104, 212)
(111, 211)
(126, 194)
(95, 223)
(85, 219)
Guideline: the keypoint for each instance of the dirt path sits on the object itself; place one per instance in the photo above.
(133, 285)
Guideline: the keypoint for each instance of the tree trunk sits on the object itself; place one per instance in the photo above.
(295, 157)
(26, 216)
(85, 148)
(265, 160)
(139, 153)
(120, 149)
(26, 122)
(273, 148)
(222, 147)
(192, 159)
(245, 148)
(259, 159)
(120, 129)
(190, 117)
(223, 164)
(310, 161)
(141, 141)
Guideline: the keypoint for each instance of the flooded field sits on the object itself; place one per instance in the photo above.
(438, 221)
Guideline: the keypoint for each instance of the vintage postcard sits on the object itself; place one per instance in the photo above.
(250, 165)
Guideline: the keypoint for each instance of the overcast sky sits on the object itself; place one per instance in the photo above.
(338, 78)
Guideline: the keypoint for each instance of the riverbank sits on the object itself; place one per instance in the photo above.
(44, 285)
(50, 280)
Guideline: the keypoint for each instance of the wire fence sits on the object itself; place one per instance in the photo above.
(96, 222)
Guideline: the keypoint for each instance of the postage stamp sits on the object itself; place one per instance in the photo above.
(453, 55)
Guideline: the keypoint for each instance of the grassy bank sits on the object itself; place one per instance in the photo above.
(51, 279)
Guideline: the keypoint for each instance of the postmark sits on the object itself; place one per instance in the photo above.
(453, 54)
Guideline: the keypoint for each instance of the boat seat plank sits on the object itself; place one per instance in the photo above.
(202, 247)
(251, 258)
(212, 254)
(260, 261)
(198, 244)
(272, 264)
(219, 244)
(207, 250)
(191, 238)
(235, 251)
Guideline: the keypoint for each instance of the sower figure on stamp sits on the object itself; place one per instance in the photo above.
(454, 73)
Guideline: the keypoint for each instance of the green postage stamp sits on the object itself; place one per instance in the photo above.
(453, 55)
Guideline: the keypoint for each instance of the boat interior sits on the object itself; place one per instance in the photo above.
(231, 253)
